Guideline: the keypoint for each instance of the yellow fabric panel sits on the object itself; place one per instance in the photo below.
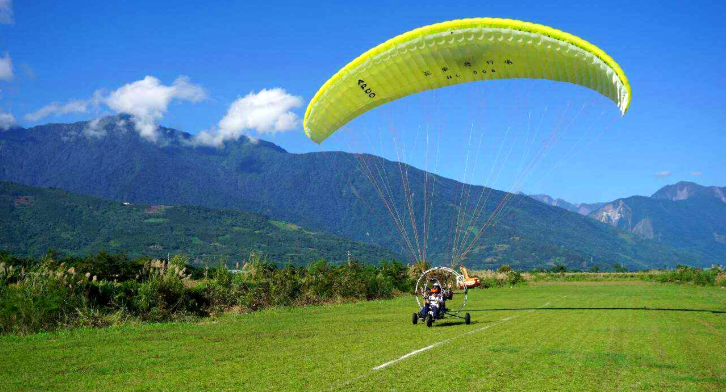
(460, 51)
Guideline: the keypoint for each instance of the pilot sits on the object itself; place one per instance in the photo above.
(433, 300)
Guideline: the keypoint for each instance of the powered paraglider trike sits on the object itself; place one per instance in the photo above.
(442, 292)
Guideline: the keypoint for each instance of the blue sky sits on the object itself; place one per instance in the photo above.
(672, 53)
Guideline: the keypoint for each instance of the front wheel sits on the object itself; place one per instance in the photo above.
(467, 319)
(429, 320)
(415, 319)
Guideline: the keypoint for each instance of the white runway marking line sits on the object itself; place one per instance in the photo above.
(419, 351)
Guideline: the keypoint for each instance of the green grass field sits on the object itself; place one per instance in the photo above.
(625, 336)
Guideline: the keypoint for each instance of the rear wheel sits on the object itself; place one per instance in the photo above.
(467, 319)
(429, 320)
(415, 319)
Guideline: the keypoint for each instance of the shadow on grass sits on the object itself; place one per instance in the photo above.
(642, 308)
(452, 323)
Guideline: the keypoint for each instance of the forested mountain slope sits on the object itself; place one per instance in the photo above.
(35, 220)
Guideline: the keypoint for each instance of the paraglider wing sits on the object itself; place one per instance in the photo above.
(455, 52)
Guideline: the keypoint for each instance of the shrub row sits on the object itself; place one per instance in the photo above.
(51, 293)
(684, 274)
(504, 276)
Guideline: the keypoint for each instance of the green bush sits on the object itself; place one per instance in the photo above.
(505, 268)
(685, 274)
(161, 295)
(720, 279)
(42, 300)
(488, 283)
(514, 277)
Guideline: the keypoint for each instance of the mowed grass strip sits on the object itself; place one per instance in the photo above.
(589, 337)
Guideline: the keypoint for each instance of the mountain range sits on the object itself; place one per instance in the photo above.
(685, 190)
(684, 215)
(580, 208)
(325, 191)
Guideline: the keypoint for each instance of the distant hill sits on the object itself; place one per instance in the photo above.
(580, 208)
(689, 190)
(685, 215)
(37, 219)
(323, 191)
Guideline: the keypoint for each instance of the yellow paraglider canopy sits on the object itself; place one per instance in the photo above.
(461, 51)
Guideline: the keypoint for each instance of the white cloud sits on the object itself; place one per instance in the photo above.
(147, 101)
(6, 67)
(28, 71)
(94, 128)
(6, 120)
(75, 106)
(268, 111)
(72, 106)
(663, 174)
(6, 11)
(696, 173)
